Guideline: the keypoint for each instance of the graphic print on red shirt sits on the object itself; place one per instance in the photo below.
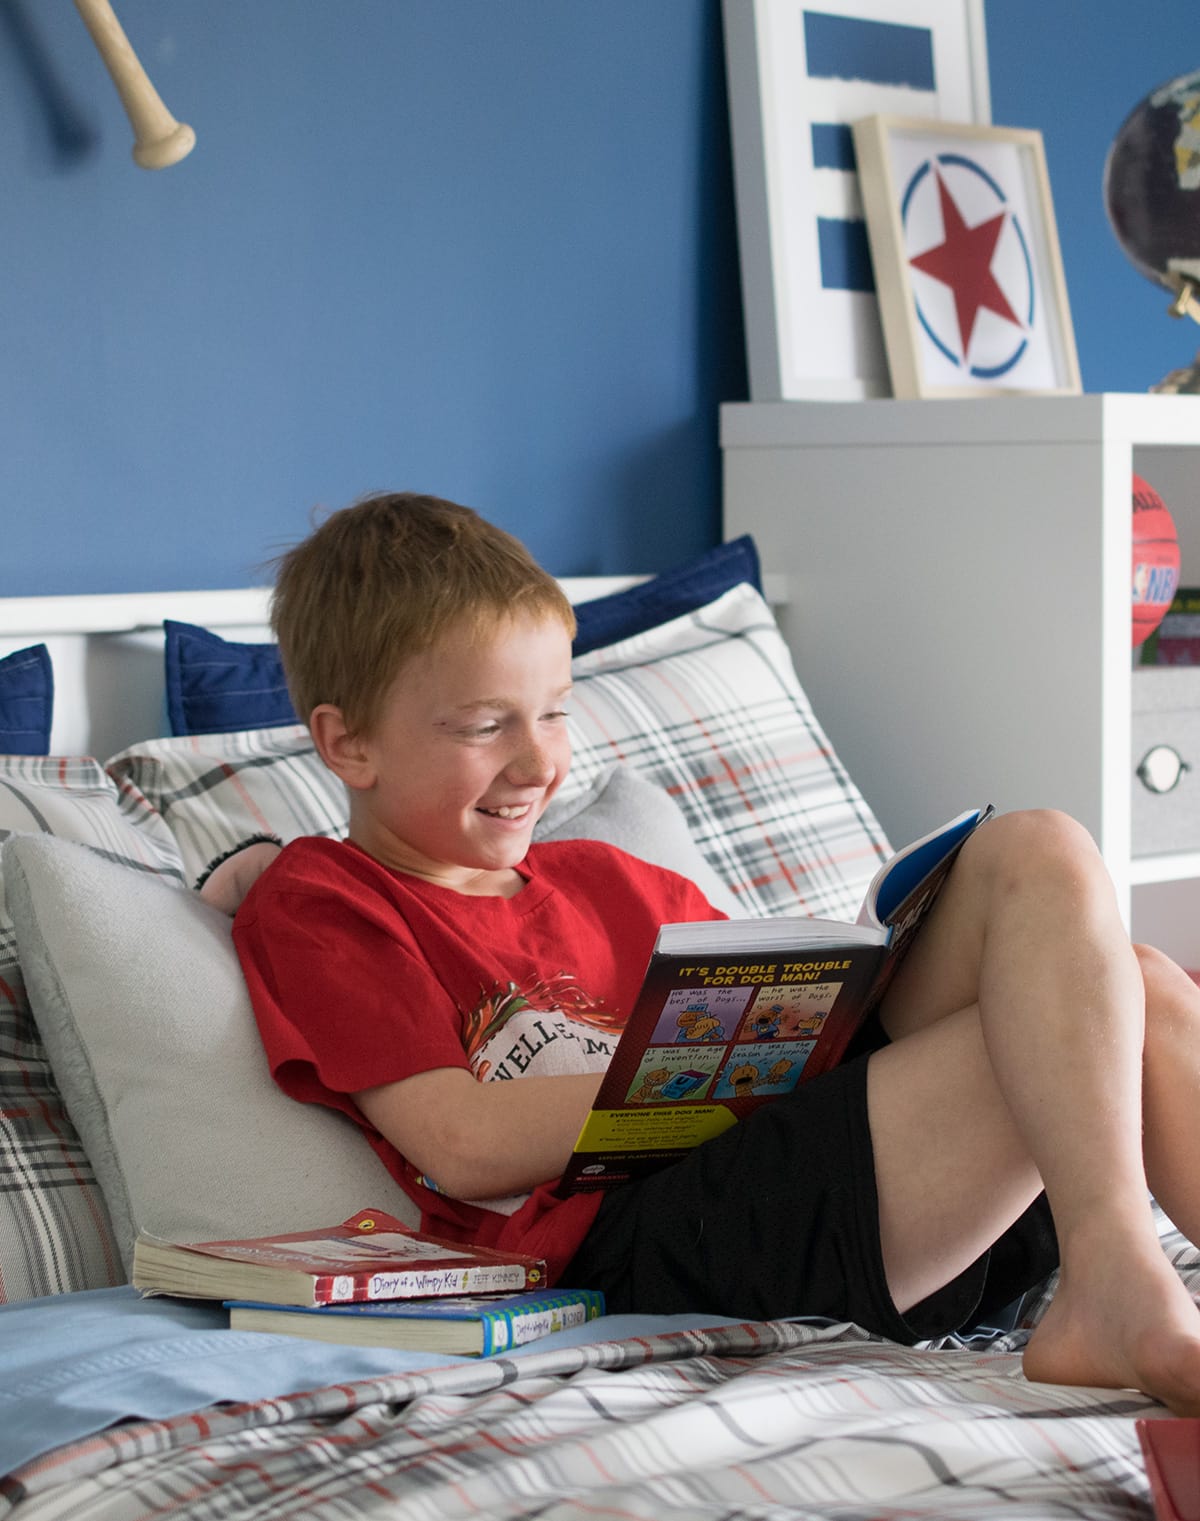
(512, 1031)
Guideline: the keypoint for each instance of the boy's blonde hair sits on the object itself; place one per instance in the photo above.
(383, 579)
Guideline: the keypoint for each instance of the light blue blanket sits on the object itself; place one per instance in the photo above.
(72, 1365)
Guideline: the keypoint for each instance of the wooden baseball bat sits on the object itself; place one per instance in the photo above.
(159, 140)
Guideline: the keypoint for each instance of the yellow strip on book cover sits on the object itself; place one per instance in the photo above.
(649, 1129)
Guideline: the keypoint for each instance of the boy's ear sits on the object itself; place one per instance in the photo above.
(347, 755)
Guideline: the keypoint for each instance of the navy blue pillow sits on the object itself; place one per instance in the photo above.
(666, 596)
(26, 701)
(215, 685)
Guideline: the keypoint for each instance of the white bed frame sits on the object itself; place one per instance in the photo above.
(107, 652)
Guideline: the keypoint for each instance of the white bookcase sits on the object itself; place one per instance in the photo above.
(959, 601)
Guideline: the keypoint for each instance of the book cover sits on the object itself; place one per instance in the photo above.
(370, 1256)
(1176, 640)
(468, 1326)
(1171, 1450)
(735, 1013)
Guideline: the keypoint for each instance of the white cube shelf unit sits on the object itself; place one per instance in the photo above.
(958, 602)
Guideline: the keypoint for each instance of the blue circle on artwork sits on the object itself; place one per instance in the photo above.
(960, 161)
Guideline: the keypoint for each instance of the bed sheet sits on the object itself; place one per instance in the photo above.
(628, 1417)
(765, 1420)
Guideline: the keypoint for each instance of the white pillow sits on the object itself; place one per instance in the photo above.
(142, 1006)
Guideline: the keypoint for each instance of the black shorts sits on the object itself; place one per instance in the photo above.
(779, 1217)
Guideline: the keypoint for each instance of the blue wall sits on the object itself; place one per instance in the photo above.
(477, 248)
(1074, 69)
(481, 249)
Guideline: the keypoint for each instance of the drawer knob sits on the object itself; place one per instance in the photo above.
(1162, 768)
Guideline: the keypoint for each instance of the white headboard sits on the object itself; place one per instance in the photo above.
(107, 652)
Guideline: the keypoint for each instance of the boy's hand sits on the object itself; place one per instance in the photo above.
(482, 1140)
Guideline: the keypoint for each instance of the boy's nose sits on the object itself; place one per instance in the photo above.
(532, 767)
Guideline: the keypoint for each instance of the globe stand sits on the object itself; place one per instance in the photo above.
(1184, 382)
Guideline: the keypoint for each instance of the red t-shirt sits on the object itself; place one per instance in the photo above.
(360, 975)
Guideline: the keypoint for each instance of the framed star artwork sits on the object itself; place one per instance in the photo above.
(967, 263)
(799, 73)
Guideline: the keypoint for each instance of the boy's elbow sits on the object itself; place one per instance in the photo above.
(464, 1136)
(456, 1174)
(431, 1121)
(473, 1166)
(467, 1169)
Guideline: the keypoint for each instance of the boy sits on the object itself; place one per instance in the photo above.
(1023, 1046)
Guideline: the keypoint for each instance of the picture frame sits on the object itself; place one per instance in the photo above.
(968, 268)
(799, 73)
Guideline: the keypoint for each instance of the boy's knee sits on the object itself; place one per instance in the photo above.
(1038, 835)
(1038, 846)
(1172, 998)
(1157, 967)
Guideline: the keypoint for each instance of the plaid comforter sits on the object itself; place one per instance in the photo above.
(765, 1420)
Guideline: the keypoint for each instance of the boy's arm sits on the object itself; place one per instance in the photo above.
(482, 1140)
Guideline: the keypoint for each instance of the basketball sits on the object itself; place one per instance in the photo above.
(1155, 560)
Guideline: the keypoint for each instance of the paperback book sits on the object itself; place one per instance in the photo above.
(370, 1256)
(470, 1327)
(735, 1013)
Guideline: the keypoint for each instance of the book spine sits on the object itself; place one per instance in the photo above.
(504, 1329)
(419, 1283)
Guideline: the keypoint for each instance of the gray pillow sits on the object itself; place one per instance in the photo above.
(140, 1001)
(624, 809)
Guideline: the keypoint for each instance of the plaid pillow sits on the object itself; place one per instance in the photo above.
(709, 707)
(55, 1233)
(216, 790)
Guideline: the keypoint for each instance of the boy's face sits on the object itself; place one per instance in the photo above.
(470, 746)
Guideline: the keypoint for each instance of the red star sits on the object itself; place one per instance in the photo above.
(963, 261)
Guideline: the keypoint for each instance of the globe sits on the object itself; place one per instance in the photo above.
(1152, 184)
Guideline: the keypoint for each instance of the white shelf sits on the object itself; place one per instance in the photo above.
(1180, 866)
(959, 600)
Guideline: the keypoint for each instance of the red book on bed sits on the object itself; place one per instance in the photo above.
(372, 1255)
(1171, 1448)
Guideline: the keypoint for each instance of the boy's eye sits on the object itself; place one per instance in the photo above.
(496, 726)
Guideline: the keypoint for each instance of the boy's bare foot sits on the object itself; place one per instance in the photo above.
(1121, 1319)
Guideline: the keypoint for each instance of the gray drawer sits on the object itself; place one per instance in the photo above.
(1166, 719)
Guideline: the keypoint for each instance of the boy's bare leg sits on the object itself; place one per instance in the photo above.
(1171, 1088)
(1018, 1060)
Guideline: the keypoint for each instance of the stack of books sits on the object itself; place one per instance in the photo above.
(370, 1281)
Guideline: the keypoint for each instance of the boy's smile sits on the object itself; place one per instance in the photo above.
(469, 748)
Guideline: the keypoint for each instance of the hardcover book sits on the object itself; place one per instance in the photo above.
(472, 1327)
(1171, 1449)
(370, 1256)
(734, 1013)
